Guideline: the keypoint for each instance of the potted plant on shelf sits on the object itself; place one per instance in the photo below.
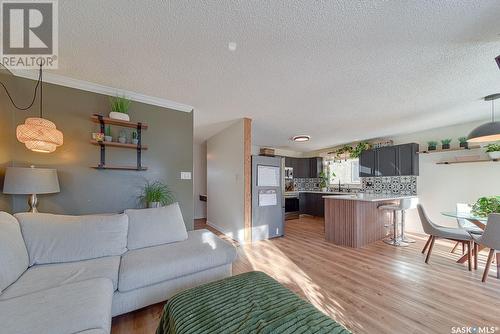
(119, 108)
(493, 151)
(122, 138)
(445, 143)
(323, 180)
(486, 205)
(107, 134)
(463, 142)
(156, 194)
(431, 145)
(135, 140)
(360, 148)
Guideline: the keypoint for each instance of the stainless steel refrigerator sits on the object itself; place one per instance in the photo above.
(268, 207)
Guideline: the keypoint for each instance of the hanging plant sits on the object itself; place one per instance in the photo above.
(360, 148)
(344, 152)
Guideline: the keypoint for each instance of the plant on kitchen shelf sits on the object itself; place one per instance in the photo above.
(122, 138)
(356, 151)
(486, 205)
(344, 152)
(463, 142)
(135, 141)
(156, 194)
(432, 145)
(119, 108)
(445, 143)
(323, 180)
(493, 150)
(107, 134)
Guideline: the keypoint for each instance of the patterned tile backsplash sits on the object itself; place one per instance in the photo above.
(390, 185)
(302, 184)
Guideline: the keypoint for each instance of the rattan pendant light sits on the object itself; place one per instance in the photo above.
(37, 133)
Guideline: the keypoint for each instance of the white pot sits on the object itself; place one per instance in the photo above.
(324, 189)
(135, 141)
(122, 140)
(154, 205)
(108, 138)
(119, 115)
(494, 155)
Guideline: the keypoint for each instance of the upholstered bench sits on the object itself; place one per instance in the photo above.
(248, 303)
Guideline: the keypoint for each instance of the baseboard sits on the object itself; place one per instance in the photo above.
(225, 232)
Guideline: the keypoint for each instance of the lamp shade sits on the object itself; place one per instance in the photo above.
(485, 133)
(39, 135)
(25, 181)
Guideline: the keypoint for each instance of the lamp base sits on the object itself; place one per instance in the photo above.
(33, 201)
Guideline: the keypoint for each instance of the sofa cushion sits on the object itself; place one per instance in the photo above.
(69, 308)
(202, 250)
(46, 276)
(60, 238)
(151, 227)
(13, 255)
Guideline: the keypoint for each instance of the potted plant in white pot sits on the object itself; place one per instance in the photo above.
(156, 194)
(323, 180)
(135, 140)
(119, 108)
(493, 151)
(122, 138)
(107, 134)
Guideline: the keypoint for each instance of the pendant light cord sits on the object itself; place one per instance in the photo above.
(492, 110)
(38, 83)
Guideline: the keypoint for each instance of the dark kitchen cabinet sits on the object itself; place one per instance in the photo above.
(315, 167)
(305, 167)
(395, 160)
(312, 204)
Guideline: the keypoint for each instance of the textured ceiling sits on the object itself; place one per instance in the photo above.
(337, 70)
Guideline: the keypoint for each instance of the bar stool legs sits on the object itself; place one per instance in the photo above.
(403, 236)
(396, 239)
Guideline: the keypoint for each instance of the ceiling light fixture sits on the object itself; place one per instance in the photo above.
(232, 46)
(489, 131)
(37, 133)
(301, 138)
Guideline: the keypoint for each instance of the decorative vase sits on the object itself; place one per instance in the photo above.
(122, 140)
(119, 115)
(108, 138)
(494, 155)
(154, 205)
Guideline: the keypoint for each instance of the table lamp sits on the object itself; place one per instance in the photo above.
(30, 181)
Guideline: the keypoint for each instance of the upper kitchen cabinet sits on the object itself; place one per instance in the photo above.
(305, 167)
(315, 167)
(396, 160)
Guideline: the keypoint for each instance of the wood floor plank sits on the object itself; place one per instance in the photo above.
(374, 289)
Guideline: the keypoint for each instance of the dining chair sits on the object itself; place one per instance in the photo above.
(436, 231)
(465, 224)
(491, 239)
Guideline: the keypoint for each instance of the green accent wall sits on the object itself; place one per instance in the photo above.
(85, 190)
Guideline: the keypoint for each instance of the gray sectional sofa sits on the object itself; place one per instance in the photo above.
(70, 274)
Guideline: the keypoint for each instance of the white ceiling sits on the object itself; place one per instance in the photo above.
(337, 70)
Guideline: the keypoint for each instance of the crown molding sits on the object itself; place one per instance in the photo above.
(101, 89)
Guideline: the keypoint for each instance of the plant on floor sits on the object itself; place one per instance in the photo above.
(356, 151)
(463, 142)
(445, 143)
(120, 104)
(432, 145)
(156, 194)
(486, 205)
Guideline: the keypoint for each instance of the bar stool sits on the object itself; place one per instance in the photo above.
(398, 238)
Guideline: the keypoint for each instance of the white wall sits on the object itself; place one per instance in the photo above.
(440, 187)
(225, 181)
(199, 179)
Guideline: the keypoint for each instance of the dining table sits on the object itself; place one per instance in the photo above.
(474, 219)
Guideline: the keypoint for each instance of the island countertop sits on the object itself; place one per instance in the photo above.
(368, 197)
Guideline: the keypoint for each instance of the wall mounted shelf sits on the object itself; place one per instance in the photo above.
(139, 126)
(116, 144)
(449, 150)
(120, 167)
(465, 161)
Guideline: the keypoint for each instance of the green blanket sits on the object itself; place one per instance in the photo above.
(248, 303)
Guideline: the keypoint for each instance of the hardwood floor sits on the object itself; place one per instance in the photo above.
(375, 289)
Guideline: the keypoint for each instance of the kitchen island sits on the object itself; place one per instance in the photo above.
(354, 220)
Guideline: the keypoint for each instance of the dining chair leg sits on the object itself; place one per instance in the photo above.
(430, 249)
(463, 248)
(476, 254)
(498, 264)
(469, 255)
(488, 263)
(454, 247)
(427, 244)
